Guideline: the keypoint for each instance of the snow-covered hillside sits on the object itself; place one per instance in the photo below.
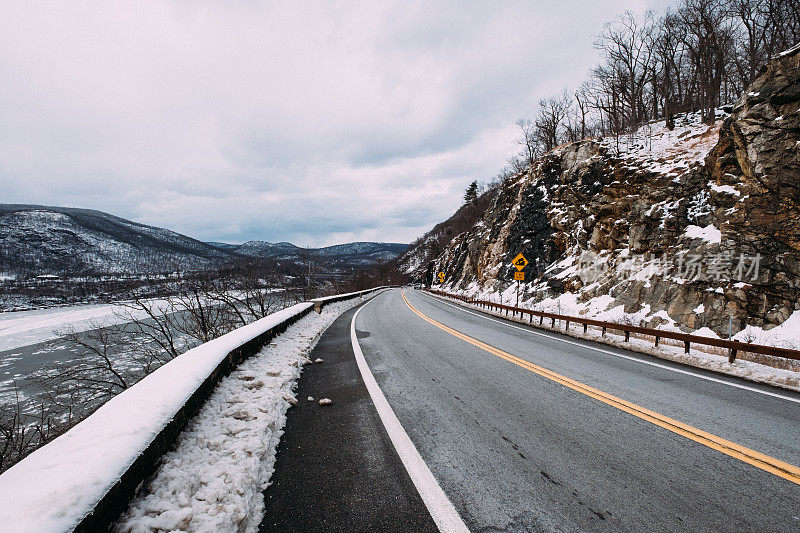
(53, 240)
(340, 256)
(40, 240)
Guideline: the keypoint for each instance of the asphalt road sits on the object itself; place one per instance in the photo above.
(589, 448)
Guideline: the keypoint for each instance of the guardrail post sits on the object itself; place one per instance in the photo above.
(541, 320)
(566, 328)
(686, 346)
(604, 331)
(585, 328)
(732, 354)
(553, 323)
(656, 340)
(627, 336)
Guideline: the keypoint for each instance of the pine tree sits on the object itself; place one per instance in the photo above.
(471, 196)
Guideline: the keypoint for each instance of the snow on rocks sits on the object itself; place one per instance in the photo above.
(212, 480)
(325, 401)
(659, 149)
(787, 335)
(710, 233)
(318, 360)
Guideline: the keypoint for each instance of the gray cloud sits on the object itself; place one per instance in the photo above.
(316, 123)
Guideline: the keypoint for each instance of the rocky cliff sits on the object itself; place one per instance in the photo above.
(673, 228)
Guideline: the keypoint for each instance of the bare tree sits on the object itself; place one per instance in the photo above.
(96, 373)
(708, 38)
(783, 22)
(21, 432)
(248, 292)
(627, 70)
(550, 120)
(582, 109)
(153, 321)
(529, 143)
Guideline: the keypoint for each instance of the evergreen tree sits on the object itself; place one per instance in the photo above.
(471, 196)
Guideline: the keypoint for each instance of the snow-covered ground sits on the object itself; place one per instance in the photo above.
(22, 328)
(214, 477)
(659, 149)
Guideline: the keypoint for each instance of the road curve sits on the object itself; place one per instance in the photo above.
(527, 432)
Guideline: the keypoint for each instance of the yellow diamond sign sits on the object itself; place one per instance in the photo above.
(520, 262)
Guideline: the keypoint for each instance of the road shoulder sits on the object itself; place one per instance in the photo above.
(336, 468)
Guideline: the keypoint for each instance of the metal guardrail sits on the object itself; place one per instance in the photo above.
(732, 346)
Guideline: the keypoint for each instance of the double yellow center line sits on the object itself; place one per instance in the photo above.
(760, 460)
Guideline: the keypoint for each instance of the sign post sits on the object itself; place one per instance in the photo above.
(519, 263)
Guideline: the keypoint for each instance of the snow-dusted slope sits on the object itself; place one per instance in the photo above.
(41, 240)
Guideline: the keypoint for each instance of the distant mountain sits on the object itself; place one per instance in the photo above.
(285, 251)
(53, 240)
(352, 255)
(41, 240)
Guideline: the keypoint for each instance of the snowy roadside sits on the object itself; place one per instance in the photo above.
(787, 379)
(213, 478)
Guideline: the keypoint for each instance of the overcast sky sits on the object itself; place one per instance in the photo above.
(310, 122)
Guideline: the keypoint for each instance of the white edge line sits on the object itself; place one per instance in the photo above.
(439, 505)
(623, 356)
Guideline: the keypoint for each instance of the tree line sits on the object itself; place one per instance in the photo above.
(695, 57)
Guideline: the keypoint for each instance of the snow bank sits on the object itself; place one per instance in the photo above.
(787, 335)
(213, 479)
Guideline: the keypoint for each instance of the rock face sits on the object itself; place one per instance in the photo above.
(759, 148)
(692, 225)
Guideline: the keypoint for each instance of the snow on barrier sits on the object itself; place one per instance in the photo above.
(319, 303)
(85, 478)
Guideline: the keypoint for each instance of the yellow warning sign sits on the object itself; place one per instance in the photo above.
(441, 277)
(519, 276)
(520, 262)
